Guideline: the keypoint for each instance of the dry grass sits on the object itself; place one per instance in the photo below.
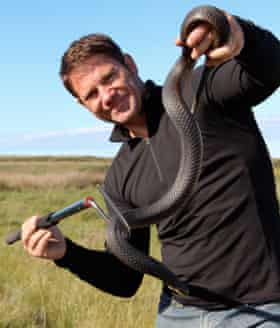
(70, 179)
(51, 172)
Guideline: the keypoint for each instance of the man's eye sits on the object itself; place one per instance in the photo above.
(109, 77)
(92, 95)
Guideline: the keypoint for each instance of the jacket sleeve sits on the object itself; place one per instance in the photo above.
(101, 268)
(250, 77)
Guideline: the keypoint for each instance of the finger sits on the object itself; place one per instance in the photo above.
(56, 233)
(28, 228)
(197, 35)
(219, 53)
(203, 46)
(35, 238)
(234, 44)
(223, 53)
(237, 35)
(44, 244)
(179, 42)
(51, 248)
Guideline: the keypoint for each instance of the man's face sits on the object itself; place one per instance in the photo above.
(108, 89)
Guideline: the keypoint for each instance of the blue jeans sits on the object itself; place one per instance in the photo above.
(172, 314)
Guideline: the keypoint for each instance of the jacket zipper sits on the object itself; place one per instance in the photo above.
(148, 142)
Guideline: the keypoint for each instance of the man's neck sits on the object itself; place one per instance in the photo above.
(139, 132)
(138, 128)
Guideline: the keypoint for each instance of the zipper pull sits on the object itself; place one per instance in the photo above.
(148, 142)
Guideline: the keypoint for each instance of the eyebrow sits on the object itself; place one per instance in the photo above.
(87, 95)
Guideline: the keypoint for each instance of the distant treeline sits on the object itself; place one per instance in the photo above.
(43, 158)
(60, 158)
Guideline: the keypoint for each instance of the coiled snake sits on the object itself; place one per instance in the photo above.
(190, 162)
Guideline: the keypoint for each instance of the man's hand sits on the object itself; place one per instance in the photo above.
(44, 243)
(201, 38)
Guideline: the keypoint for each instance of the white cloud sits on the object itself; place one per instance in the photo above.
(69, 141)
(63, 133)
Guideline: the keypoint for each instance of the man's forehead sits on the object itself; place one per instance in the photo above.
(94, 62)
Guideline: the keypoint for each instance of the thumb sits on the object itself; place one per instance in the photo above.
(179, 42)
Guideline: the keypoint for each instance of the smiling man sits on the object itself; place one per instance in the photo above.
(227, 238)
(109, 88)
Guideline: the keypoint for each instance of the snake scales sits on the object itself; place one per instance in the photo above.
(190, 162)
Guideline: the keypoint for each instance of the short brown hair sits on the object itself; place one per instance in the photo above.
(84, 48)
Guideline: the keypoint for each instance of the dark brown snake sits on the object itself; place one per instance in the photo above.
(190, 162)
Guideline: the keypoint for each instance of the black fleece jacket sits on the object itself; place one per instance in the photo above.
(227, 239)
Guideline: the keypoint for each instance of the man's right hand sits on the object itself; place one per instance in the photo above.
(44, 243)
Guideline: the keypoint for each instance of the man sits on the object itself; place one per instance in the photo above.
(227, 239)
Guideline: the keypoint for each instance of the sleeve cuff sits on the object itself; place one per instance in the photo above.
(71, 247)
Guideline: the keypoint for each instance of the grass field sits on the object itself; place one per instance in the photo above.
(36, 293)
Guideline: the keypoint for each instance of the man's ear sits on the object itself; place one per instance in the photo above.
(130, 64)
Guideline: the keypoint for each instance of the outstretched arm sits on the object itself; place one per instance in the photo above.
(246, 70)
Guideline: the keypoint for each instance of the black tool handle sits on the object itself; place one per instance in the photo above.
(53, 218)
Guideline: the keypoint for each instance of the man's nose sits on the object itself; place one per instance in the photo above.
(108, 98)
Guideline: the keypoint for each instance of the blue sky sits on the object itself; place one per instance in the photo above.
(39, 117)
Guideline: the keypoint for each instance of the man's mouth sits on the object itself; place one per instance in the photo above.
(122, 105)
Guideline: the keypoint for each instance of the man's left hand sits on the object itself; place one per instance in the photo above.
(201, 38)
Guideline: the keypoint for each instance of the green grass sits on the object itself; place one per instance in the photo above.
(36, 293)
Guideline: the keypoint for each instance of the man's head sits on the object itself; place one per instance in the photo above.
(102, 78)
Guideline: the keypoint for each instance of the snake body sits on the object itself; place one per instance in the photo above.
(190, 162)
